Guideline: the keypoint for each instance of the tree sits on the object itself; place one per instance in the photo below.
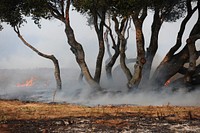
(172, 62)
(97, 12)
(121, 13)
(60, 10)
(164, 11)
(12, 13)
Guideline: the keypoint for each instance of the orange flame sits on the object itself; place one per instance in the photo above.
(27, 83)
(167, 83)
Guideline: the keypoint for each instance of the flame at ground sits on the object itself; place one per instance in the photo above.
(27, 83)
(167, 83)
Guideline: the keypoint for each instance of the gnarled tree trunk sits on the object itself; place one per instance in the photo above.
(78, 51)
(193, 55)
(51, 57)
(122, 42)
(138, 22)
(99, 30)
(116, 47)
(151, 51)
(171, 64)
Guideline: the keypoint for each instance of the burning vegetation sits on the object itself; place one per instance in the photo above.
(112, 23)
(27, 83)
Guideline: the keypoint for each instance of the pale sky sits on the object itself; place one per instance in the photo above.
(51, 39)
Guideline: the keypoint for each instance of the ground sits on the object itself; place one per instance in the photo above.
(33, 117)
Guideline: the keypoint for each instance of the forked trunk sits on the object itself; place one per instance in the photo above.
(172, 64)
(111, 63)
(151, 51)
(123, 60)
(192, 59)
(168, 69)
(138, 22)
(99, 31)
(116, 47)
(122, 41)
(78, 51)
(181, 31)
(194, 36)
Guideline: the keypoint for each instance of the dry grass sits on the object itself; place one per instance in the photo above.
(16, 110)
(16, 117)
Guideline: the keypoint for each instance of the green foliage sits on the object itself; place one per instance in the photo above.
(14, 12)
(88, 6)
(170, 9)
(10, 12)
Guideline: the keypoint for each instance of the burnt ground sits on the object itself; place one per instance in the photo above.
(33, 117)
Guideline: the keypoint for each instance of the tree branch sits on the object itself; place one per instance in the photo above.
(181, 31)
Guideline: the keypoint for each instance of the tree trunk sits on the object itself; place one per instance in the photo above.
(112, 58)
(57, 72)
(171, 64)
(99, 31)
(178, 44)
(168, 69)
(123, 60)
(77, 50)
(111, 63)
(122, 42)
(138, 22)
(151, 51)
(194, 36)
(51, 57)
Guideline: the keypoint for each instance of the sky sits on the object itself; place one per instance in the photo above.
(51, 39)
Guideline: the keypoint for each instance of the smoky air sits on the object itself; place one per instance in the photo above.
(39, 85)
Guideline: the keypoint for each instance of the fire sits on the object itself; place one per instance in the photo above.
(27, 83)
(167, 83)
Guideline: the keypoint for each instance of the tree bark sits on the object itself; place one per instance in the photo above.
(122, 42)
(78, 51)
(178, 44)
(194, 35)
(151, 51)
(116, 47)
(138, 22)
(168, 68)
(99, 30)
(192, 59)
(51, 57)
(172, 62)
(112, 61)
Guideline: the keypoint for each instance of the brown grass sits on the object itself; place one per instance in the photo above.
(16, 110)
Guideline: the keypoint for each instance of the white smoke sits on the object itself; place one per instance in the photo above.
(44, 87)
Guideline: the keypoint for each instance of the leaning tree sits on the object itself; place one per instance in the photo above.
(174, 61)
(14, 12)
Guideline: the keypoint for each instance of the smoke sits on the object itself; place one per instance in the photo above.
(43, 90)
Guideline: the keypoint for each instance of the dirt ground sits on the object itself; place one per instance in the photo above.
(33, 117)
